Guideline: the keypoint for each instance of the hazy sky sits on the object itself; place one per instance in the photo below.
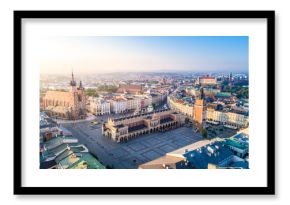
(144, 53)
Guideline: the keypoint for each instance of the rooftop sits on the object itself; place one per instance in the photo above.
(239, 141)
(162, 163)
(62, 150)
(80, 161)
(223, 94)
(206, 77)
(139, 115)
(213, 154)
(137, 127)
(56, 141)
(240, 164)
(165, 120)
(47, 164)
(119, 126)
(194, 146)
(90, 161)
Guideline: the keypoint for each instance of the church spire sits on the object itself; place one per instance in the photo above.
(201, 93)
(72, 82)
(81, 85)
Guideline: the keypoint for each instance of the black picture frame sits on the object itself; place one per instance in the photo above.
(268, 190)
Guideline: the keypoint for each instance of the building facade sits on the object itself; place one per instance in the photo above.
(66, 105)
(118, 106)
(181, 107)
(99, 106)
(133, 103)
(228, 118)
(145, 101)
(200, 110)
(129, 88)
(200, 113)
(124, 129)
(158, 98)
(207, 80)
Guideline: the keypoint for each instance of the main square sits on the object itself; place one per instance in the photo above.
(144, 102)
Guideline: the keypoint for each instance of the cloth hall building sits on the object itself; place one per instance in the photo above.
(124, 129)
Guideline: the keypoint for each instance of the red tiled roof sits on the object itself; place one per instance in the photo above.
(179, 101)
(206, 77)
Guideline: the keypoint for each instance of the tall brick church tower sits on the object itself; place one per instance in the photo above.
(79, 96)
(200, 110)
(73, 83)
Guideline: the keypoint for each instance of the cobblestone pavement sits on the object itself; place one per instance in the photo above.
(135, 152)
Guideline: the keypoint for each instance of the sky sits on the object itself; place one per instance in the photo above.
(92, 55)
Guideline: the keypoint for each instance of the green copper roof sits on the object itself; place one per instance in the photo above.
(237, 144)
(80, 161)
(223, 94)
(88, 160)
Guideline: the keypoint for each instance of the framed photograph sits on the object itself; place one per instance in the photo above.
(144, 102)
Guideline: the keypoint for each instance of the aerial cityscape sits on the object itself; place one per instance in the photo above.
(145, 103)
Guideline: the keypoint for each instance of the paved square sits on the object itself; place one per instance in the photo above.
(136, 151)
(117, 153)
(137, 146)
(181, 143)
(152, 141)
(167, 148)
(151, 155)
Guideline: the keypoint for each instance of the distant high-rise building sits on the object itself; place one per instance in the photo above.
(230, 76)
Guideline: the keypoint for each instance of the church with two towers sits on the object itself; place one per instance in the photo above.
(66, 104)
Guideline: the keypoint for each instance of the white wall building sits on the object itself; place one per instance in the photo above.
(103, 108)
(183, 108)
(133, 103)
(229, 118)
(99, 106)
(118, 106)
(146, 100)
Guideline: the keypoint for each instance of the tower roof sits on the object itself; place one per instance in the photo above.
(201, 95)
(72, 82)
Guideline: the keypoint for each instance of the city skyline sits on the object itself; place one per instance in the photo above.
(61, 55)
(175, 122)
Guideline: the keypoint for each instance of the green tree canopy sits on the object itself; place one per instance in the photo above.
(203, 133)
(91, 92)
(107, 88)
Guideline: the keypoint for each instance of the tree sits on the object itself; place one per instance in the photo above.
(107, 88)
(219, 107)
(62, 90)
(203, 133)
(91, 92)
(243, 92)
